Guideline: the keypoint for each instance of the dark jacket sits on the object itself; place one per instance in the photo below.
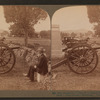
(42, 66)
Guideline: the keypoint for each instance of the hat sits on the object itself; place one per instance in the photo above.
(41, 50)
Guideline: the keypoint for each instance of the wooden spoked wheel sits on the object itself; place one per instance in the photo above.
(82, 59)
(7, 59)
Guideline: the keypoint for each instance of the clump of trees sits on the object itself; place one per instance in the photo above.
(94, 17)
(64, 34)
(22, 19)
(45, 34)
(73, 35)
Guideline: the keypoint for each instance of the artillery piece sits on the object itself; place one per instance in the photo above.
(80, 57)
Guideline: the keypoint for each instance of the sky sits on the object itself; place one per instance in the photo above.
(72, 18)
(3, 24)
(43, 25)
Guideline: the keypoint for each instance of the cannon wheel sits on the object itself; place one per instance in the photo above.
(7, 59)
(82, 59)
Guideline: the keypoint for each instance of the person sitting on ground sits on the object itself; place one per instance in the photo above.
(41, 66)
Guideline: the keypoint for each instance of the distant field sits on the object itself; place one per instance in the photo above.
(30, 40)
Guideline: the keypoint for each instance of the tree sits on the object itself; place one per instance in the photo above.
(94, 17)
(45, 34)
(81, 35)
(64, 34)
(16, 30)
(23, 19)
(4, 33)
(73, 34)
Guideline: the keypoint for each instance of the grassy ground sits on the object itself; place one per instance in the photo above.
(14, 80)
(66, 79)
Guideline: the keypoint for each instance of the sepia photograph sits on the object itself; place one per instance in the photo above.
(25, 48)
(42, 52)
(76, 48)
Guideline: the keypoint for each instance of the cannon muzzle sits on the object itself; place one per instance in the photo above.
(59, 63)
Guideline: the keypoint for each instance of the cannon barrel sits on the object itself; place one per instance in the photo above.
(95, 48)
(59, 63)
(14, 48)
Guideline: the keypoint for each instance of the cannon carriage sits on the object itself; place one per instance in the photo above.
(7, 57)
(79, 56)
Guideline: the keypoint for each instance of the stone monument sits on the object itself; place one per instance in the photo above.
(56, 46)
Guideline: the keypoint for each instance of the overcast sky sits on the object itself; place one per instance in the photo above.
(72, 18)
(44, 25)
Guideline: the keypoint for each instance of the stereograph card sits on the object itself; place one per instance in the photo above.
(49, 50)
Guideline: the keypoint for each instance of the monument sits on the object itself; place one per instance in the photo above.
(56, 46)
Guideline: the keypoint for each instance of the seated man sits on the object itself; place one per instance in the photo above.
(41, 67)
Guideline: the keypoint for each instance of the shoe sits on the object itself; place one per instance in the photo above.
(28, 81)
(54, 76)
(31, 81)
(25, 75)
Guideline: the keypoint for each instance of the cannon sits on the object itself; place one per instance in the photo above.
(81, 58)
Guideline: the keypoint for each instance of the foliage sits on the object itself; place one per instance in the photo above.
(23, 18)
(64, 34)
(94, 17)
(4, 33)
(81, 35)
(73, 34)
(45, 34)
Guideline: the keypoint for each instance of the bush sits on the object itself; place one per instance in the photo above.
(45, 34)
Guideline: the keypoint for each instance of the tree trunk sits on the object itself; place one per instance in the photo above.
(26, 38)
